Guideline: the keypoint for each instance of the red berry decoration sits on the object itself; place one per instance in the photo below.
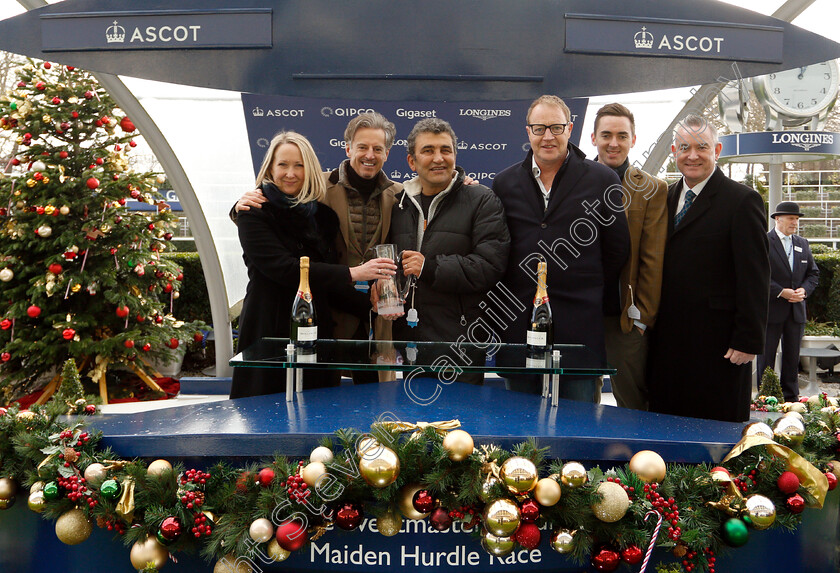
(33, 311)
(127, 125)
(129, 343)
(173, 343)
(423, 501)
(440, 519)
(122, 311)
(291, 535)
(55, 268)
(93, 183)
(528, 536)
(606, 559)
(349, 516)
(795, 503)
(832, 480)
(265, 477)
(529, 511)
(68, 334)
(788, 482)
(631, 555)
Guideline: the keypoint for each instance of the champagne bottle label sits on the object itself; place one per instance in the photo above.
(534, 338)
(307, 296)
(540, 300)
(307, 333)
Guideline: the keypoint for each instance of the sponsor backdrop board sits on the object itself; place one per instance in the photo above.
(491, 136)
(779, 146)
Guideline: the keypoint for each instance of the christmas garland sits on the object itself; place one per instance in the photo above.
(419, 471)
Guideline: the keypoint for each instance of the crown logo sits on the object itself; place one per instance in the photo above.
(258, 112)
(463, 145)
(643, 39)
(115, 33)
(395, 174)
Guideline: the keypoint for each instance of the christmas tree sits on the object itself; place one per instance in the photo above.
(81, 276)
(770, 385)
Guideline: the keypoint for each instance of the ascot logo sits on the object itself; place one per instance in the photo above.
(643, 39)
(115, 33)
(257, 112)
(484, 114)
(803, 139)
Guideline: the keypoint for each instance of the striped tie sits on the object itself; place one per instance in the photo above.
(689, 199)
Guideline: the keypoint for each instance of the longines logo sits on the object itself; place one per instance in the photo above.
(259, 112)
(344, 111)
(644, 40)
(484, 114)
(803, 139)
(115, 34)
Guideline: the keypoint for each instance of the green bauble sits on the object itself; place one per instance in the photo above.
(110, 489)
(51, 491)
(735, 532)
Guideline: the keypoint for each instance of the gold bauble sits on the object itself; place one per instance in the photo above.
(31, 183)
(789, 431)
(761, 510)
(8, 488)
(562, 541)
(229, 564)
(757, 429)
(46, 119)
(159, 467)
(519, 474)
(487, 487)
(797, 415)
(312, 472)
(496, 545)
(261, 530)
(73, 527)
(389, 523)
(6, 502)
(379, 467)
(547, 492)
(573, 475)
(36, 502)
(365, 443)
(405, 496)
(148, 551)
(614, 505)
(459, 445)
(834, 467)
(25, 416)
(501, 517)
(275, 552)
(37, 486)
(648, 465)
(321, 454)
(76, 288)
(49, 210)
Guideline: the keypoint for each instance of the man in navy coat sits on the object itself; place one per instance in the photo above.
(569, 211)
(793, 277)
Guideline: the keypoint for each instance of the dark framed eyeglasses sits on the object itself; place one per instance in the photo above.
(539, 129)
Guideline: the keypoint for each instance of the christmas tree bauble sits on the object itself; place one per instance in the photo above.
(440, 519)
(632, 555)
(389, 523)
(292, 535)
(789, 431)
(606, 559)
(648, 465)
(458, 444)
(170, 529)
(529, 511)
(148, 551)
(497, 545)
(51, 491)
(73, 527)
(349, 516)
(562, 540)
(528, 536)
(6, 275)
(758, 429)
(157, 467)
(36, 502)
(229, 564)
(614, 505)
(261, 530)
(734, 532)
(761, 510)
(275, 552)
(788, 482)
(487, 488)
(321, 454)
(795, 503)
(265, 476)
(110, 489)
(423, 501)
(519, 474)
(7, 502)
(547, 492)
(573, 475)
(379, 467)
(312, 472)
(405, 497)
(501, 517)
(44, 231)
(8, 488)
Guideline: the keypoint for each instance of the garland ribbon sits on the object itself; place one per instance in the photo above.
(440, 427)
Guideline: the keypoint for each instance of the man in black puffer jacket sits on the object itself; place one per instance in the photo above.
(453, 238)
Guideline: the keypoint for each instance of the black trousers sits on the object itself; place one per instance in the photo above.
(790, 333)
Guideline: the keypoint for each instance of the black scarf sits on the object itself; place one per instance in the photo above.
(283, 201)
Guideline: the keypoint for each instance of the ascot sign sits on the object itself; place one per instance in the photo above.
(168, 29)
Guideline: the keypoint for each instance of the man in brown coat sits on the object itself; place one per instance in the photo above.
(362, 196)
(646, 207)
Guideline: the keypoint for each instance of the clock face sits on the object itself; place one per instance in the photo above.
(802, 92)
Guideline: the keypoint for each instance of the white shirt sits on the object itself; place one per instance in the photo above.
(697, 188)
(535, 169)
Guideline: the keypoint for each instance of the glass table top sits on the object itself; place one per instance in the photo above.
(402, 356)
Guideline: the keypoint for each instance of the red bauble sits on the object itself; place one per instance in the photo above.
(631, 555)
(832, 480)
(606, 559)
(528, 536)
(147, 347)
(180, 277)
(63, 154)
(529, 511)
(5, 324)
(121, 201)
(70, 68)
(74, 114)
(242, 481)
(265, 477)
(291, 535)
(158, 318)
(56, 100)
(40, 86)
(93, 183)
(167, 287)
(122, 311)
(5, 357)
(795, 503)
(788, 482)
(129, 343)
(132, 143)
(68, 334)
(33, 311)
(127, 125)
(349, 516)
(99, 161)
(151, 226)
(440, 519)
(173, 343)
(423, 501)
(88, 95)
(198, 337)
(140, 318)
(170, 528)
(69, 255)
(47, 65)
(55, 268)
(167, 236)
(15, 161)
(135, 193)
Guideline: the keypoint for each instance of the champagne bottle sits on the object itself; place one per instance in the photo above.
(540, 337)
(304, 329)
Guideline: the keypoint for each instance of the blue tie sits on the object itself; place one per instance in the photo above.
(689, 199)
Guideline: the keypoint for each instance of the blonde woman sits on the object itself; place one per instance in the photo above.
(292, 224)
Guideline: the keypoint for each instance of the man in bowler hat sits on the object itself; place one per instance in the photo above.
(793, 277)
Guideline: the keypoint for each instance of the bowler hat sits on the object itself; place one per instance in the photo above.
(787, 208)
